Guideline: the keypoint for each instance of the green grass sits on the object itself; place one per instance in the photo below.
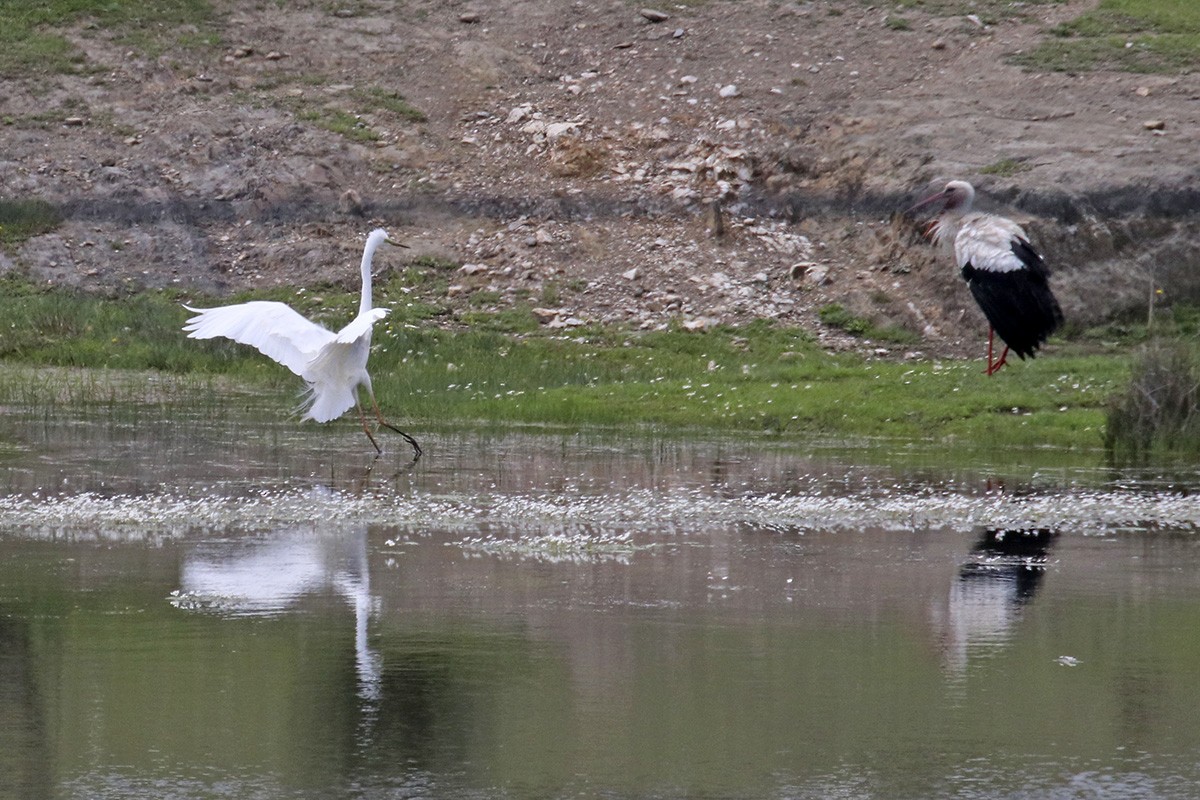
(23, 219)
(375, 98)
(351, 124)
(504, 369)
(32, 42)
(1129, 35)
(340, 122)
(989, 11)
(836, 316)
(1006, 167)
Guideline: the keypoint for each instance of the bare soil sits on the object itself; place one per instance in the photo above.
(738, 160)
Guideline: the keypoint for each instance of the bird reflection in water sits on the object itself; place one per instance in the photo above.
(269, 576)
(994, 585)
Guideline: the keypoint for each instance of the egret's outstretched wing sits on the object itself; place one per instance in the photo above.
(360, 325)
(278, 332)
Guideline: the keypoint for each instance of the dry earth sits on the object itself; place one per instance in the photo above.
(736, 160)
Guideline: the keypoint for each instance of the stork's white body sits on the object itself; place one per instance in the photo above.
(984, 241)
(1007, 277)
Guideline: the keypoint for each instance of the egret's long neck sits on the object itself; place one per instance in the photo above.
(364, 305)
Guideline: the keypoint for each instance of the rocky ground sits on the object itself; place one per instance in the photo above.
(711, 162)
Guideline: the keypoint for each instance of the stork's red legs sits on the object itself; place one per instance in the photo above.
(994, 366)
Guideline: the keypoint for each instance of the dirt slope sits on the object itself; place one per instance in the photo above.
(736, 160)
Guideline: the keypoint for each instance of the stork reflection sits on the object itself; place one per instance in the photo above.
(999, 579)
(271, 574)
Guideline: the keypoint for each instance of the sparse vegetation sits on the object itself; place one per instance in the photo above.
(337, 121)
(1131, 35)
(377, 98)
(1005, 167)
(31, 42)
(1156, 415)
(22, 219)
(836, 316)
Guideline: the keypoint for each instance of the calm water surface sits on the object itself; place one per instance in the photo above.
(236, 608)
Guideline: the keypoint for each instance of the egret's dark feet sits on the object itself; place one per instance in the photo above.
(417, 451)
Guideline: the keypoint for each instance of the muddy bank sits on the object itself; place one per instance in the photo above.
(572, 157)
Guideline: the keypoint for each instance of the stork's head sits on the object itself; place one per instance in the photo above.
(957, 197)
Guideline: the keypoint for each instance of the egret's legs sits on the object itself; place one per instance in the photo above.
(379, 416)
(363, 419)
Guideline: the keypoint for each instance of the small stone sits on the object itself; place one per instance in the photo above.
(351, 203)
(701, 324)
(729, 90)
(1142, 91)
(1154, 125)
(243, 52)
(678, 33)
(519, 113)
(631, 275)
(811, 272)
(654, 15)
(976, 21)
(469, 17)
(543, 236)
(939, 44)
(472, 269)
(556, 129)
(274, 55)
(545, 315)
(73, 122)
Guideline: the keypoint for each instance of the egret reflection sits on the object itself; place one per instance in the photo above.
(270, 575)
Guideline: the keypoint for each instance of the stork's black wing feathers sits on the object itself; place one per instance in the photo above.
(1018, 303)
(1031, 258)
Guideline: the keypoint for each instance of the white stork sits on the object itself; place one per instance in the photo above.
(1007, 277)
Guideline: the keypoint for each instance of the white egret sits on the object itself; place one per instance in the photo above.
(333, 364)
(1008, 278)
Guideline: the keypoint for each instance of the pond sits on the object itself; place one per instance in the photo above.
(229, 605)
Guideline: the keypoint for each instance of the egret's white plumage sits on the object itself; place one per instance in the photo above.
(333, 365)
(1007, 277)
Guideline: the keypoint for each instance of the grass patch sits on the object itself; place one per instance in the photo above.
(989, 11)
(351, 124)
(375, 98)
(337, 121)
(505, 369)
(24, 219)
(31, 41)
(1128, 35)
(836, 316)
(1006, 167)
